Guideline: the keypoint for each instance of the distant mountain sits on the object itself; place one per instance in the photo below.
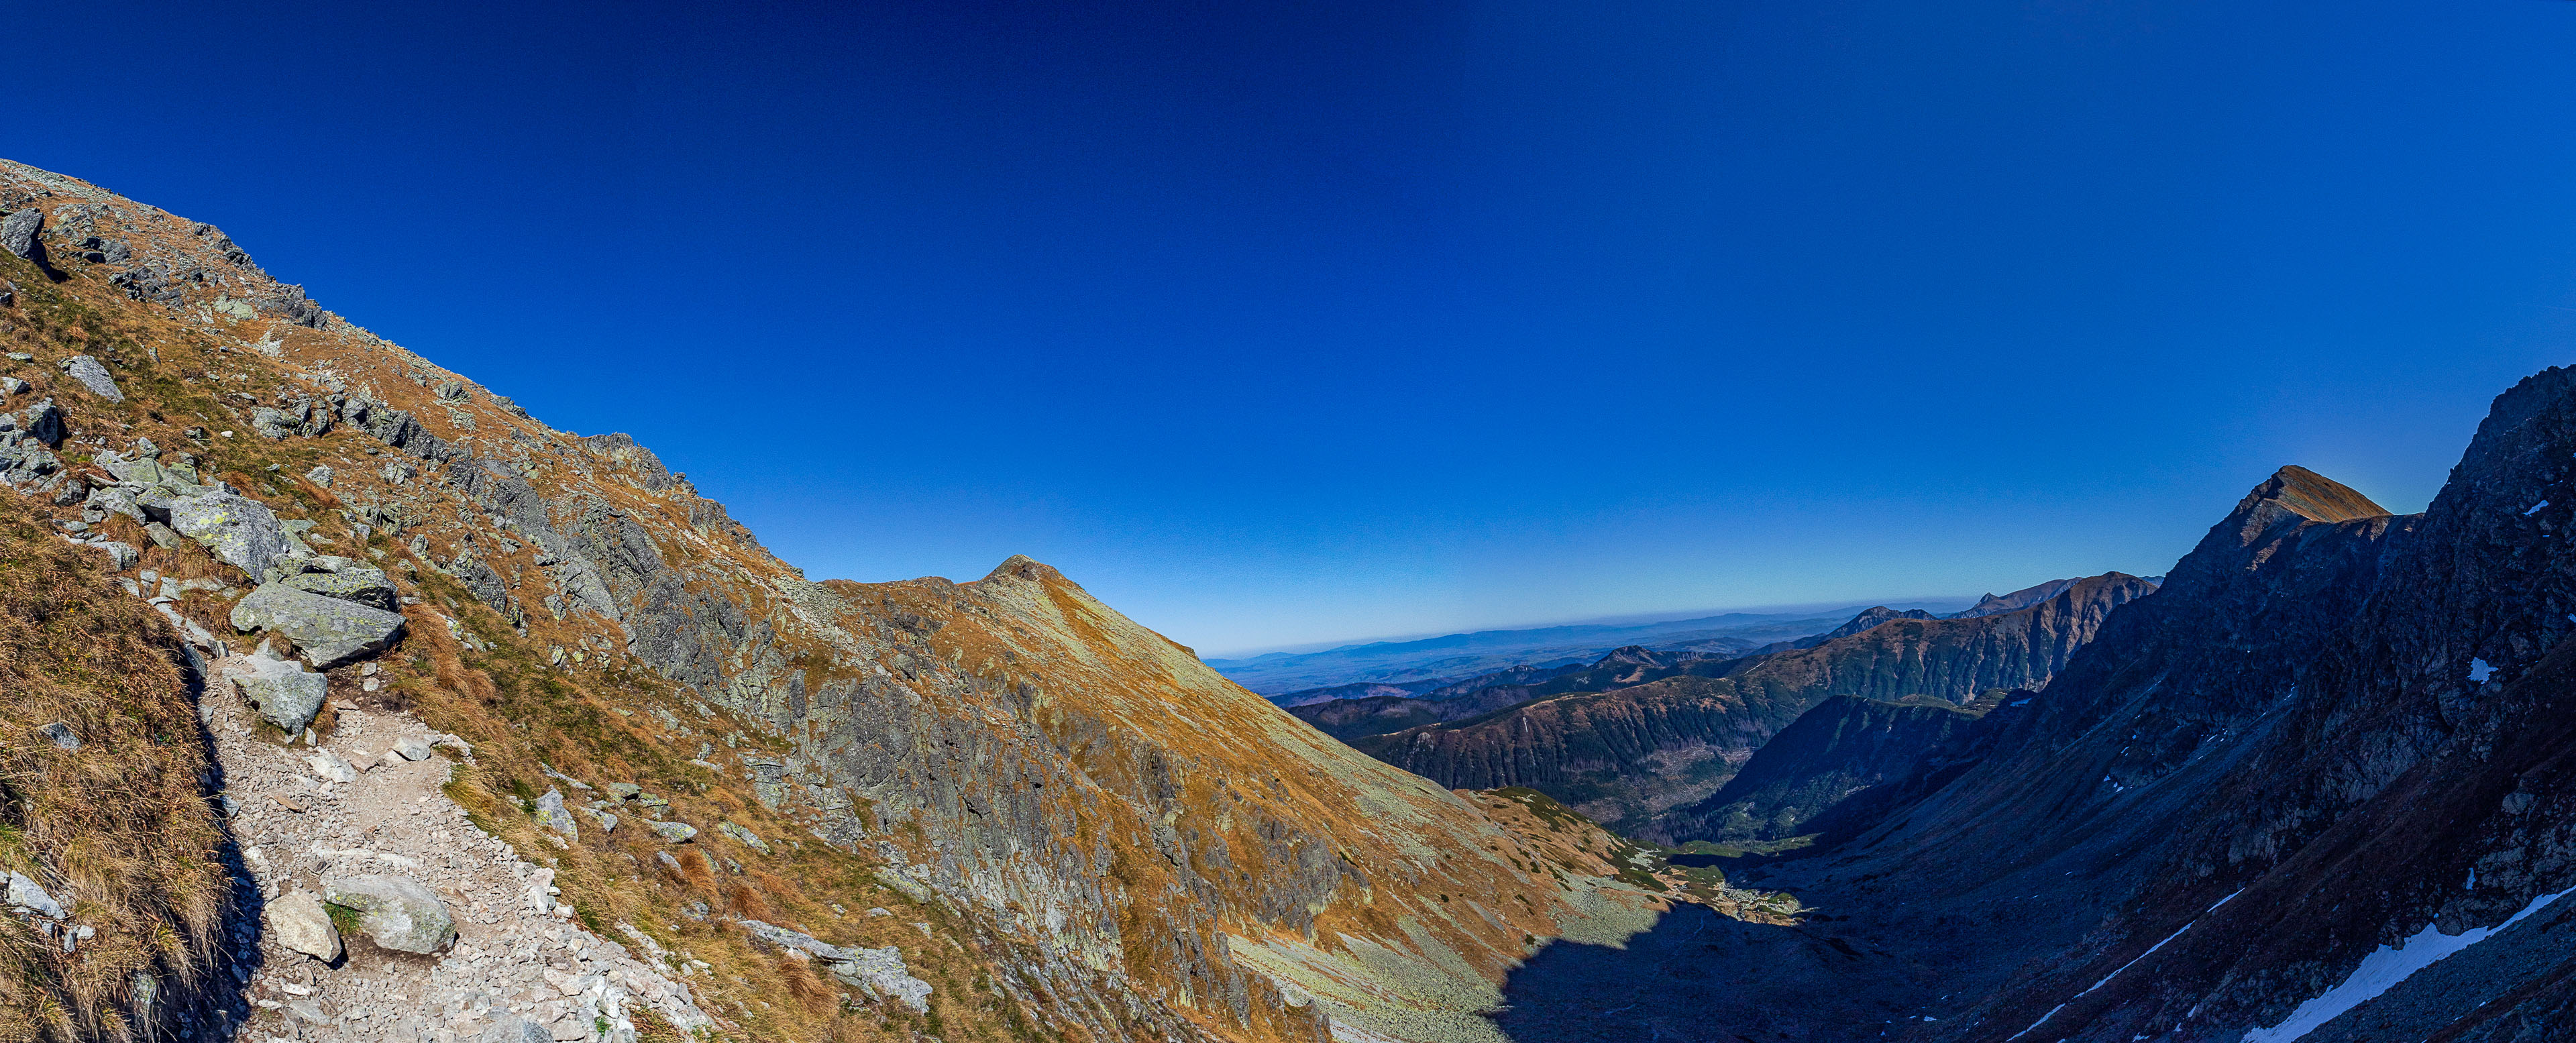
(1633, 737)
(1459, 656)
(1843, 747)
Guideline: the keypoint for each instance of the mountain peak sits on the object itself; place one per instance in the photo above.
(2314, 496)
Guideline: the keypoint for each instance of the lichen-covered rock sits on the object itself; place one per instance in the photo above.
(745, 836)
(552, 816)
(300, 923)
(675, 832)
(282, 691)
(346, 580)
(396, 913)
(238, 531)
(330, 631)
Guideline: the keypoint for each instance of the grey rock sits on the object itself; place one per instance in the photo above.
(412, 749)
(18, 233)
(353, 582)
(513, 1029)
(14, 386)
(60, 734)
(124, 555)
(798, 940)
(451, 391)
(607, 822)
(624, 790)
(667, 861)
(239, 531)
(43, 422)
(93, 375)
(331, 767)
(163, 536)
(552, 816)
(320, 475)
(282, 691)
(117, 499)
(746, 836)
(26, 894)
(330, 631)
(300, 923)
(880, 972)
(24, 463)
(675, 832)
(395, 912)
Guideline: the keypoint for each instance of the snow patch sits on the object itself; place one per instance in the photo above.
(2535, 508)
(2479, 670)
(2383, 969)
(2106, 979)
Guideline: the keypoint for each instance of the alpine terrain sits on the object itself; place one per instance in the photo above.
(347, 701)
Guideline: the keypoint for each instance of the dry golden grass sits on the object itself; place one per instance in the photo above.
(118, 830)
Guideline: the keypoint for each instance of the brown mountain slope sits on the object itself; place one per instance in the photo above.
(1107, 840)
(1628, 754)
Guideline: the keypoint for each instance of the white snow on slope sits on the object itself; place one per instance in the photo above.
(2106, 979)
(2383, 969)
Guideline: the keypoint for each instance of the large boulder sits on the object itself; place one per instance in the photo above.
(300, 923)
(282, 691)
(345, 579)
(18, 232)
(242, 532)
(330, 631)
(43, 422)
(395, 912)
(93, 375)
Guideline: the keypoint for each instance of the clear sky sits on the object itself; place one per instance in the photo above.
(1282, 323)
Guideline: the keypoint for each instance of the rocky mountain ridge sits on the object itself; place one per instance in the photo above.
(1650, 735)
(1105, 839)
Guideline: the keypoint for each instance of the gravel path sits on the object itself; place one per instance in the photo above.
(521, 969)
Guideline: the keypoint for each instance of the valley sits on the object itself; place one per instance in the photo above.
(349, 701)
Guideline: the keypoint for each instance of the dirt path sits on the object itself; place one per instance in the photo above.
(521, 969)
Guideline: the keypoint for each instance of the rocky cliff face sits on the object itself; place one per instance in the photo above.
(1670, 735)
(2328, 753)
(1105, 839)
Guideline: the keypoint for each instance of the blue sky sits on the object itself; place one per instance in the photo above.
(1275, 324)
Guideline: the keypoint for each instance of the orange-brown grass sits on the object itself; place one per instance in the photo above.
(117, 830)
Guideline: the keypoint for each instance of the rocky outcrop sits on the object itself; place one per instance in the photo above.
(1679, 729)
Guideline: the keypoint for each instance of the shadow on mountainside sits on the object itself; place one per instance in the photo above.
(1699, 977)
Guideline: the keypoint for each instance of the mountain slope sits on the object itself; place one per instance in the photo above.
(2335, 740)
(1628, 754)
(1841, 748)
(1104, 839)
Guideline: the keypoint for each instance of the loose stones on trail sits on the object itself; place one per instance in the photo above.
(396, 913)
(302, 924)
(282, 691)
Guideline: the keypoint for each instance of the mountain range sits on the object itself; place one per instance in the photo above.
(345, 700)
